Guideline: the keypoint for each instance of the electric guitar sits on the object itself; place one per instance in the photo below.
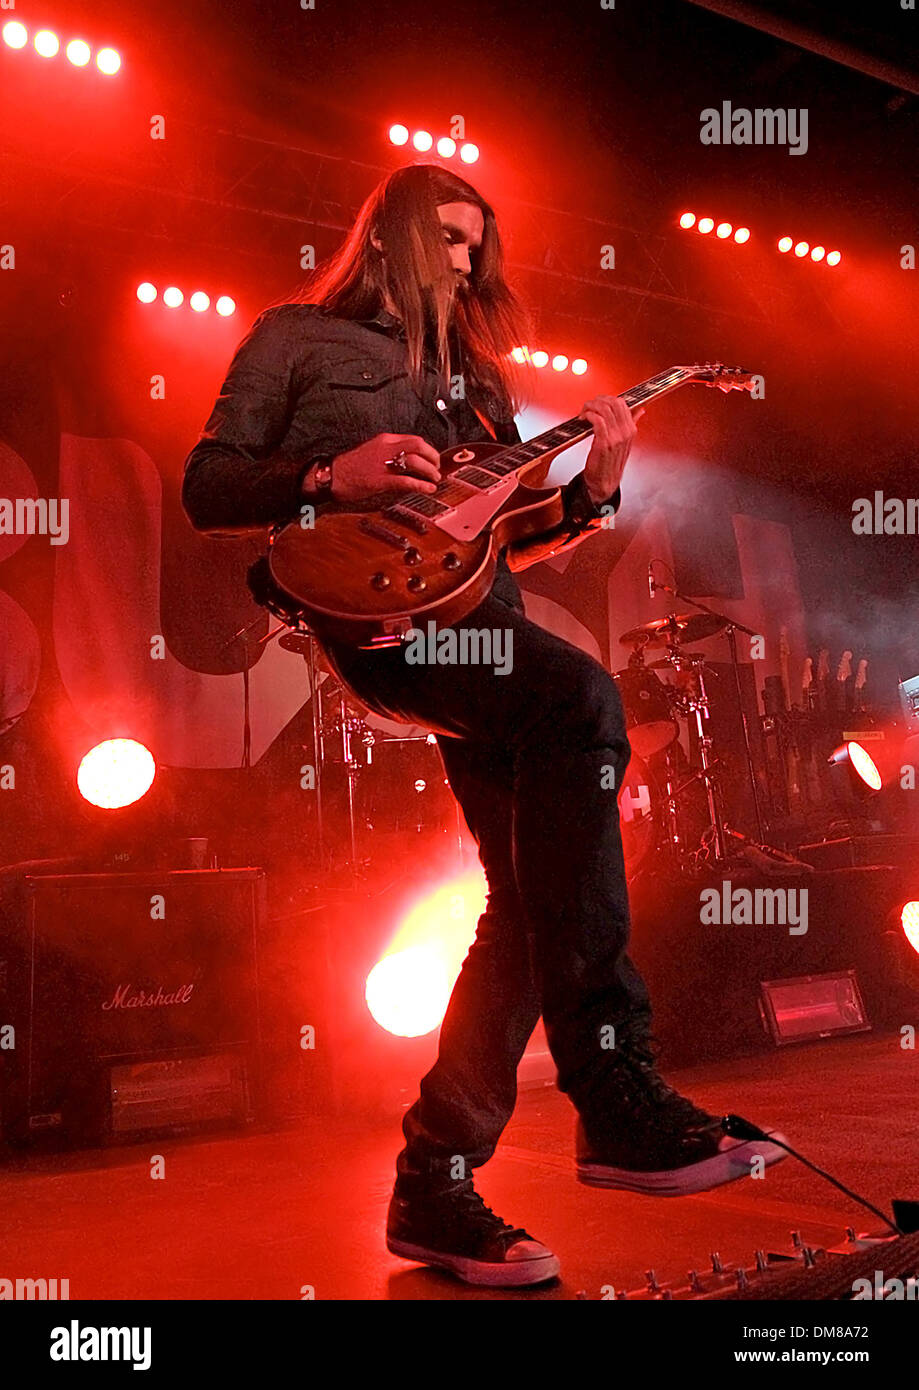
(367, 573)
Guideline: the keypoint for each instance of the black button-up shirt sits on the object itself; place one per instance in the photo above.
(304, 384)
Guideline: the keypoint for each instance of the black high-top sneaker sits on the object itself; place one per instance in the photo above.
(650, 1139)
(455, 1230)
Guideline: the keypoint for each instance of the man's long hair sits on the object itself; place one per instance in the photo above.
(472, 329)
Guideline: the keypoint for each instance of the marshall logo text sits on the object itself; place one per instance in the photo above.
(124, 999)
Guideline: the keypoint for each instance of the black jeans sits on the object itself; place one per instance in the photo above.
(527, 755)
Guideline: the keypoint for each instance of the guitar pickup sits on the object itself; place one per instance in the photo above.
(408, 518)
(384, 533)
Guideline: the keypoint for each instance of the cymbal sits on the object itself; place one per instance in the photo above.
(667, 661)
(674, 629)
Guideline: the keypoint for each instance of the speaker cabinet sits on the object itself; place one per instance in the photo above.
(134, 1000)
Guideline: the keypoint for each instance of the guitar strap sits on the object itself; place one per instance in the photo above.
(484, 420)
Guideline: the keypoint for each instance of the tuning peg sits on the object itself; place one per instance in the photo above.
(695, 1282)
(810, 1259)
(740, 1276)
(653, 1285)
(762, 1264)
(717, 1266)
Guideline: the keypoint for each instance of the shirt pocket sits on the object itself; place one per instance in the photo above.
(362, 397)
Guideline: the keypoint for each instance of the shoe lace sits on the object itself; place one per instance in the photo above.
(637, 1059)
(475, 1212)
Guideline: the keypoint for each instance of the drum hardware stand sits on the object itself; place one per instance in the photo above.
(345, 723)
(732, 628)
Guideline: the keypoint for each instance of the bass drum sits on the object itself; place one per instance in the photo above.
(638, 802)
(648, 713)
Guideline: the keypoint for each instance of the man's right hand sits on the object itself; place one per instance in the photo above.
(362, 472)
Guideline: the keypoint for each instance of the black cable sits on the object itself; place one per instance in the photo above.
(739, 1128)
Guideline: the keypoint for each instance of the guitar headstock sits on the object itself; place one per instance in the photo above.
(725, 378)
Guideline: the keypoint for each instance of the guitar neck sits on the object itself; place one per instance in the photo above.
(574, 430)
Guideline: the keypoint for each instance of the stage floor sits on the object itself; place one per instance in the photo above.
(262, 1215)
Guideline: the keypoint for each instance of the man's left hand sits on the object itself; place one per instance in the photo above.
(615, 427)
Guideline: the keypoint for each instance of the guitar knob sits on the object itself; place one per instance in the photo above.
(451, 561)
(412, 556)
(416, 584)
(380, 580)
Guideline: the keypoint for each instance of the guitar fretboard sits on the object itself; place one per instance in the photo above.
(479, 477)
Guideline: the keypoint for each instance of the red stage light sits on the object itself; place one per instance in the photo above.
(407, 991)
(469, 153)
(909, 919)
(116, 773)
(688, 220)
(579, 366)
(446, 147)
(519, 354)
(559, 362)
(146, 292)
(802, 248)
(46, 43)
(108, 61)
(818, 253)
(741, 235)
(398, 134)
(199, 301)
(864, 765)
(173, 297)
(422, 140)
(833, 258)
(225, 306)
(723, 230)
(15, 35)
(706, 224)
(78, 53)
(785, 243)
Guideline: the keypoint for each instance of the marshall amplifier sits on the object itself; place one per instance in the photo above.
(134, 999)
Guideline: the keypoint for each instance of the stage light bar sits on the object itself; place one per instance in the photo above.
(47, 44)
(199, 301)
(423, 141)
(804, 249)
(559, 360)
(723, 230)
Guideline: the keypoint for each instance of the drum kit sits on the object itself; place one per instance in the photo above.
(669, 809)
(670, 802)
